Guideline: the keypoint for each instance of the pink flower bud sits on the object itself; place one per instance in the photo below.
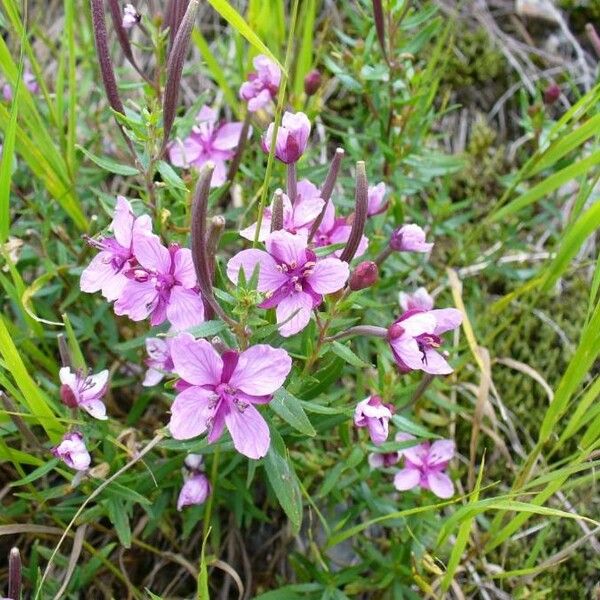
(395, 330)
(73, 452)
(292, 137)
(375, 415)
(312, 82)
(195, 491)
(551, 94)
(364, 276)
(409, 238)
(131, 17)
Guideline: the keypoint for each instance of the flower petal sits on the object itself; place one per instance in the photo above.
(409, 353)
(99, 274)
(269, 277)
(249, 431)
(446, 319)
(137, 300)
(435, 364)
(406, 479)
(195, 361)
(293, 313)
(122, 223)
(440, 484)
(151, 254)
(185, 308)
(95, 408)
(95, 385)
(190, 412)
(287, 248)
(186, 152)
(183, 268)
(441, 452)
(227, 136)
(328, 275)
(261, 370)
(417, 324)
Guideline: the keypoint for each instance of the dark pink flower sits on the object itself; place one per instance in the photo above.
(262, 85)
(420, 300)
(159, 361)
(415, 338)
(410, 238)
(164, 286)
(107, 271)
(194, 491)
(207, 141)
(292, 277)
(223, 390)
(375, 415)
(292, 137)
(334, 230)
(376, 198)
(73, 452)
(85, 391)
(425, 465)
(297, 218)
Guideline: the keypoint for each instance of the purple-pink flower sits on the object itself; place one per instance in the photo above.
(159, 361)
(376, 199)
(415, 338)
(108, 270)
(131, 16)
(297, 218)
(208, 141)
(84, 391)
(292, 137)
(262, 85)
(195, 490)
(223, 390)
(163, 286)
(73, 452)
(382, 460)
(336, 230)
(425, 465)
(420, 300)
(30, 83)
(409, 238)
(291, 276)
(373, 414)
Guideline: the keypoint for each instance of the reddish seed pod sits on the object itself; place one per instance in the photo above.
(312, 82)
(551, 94)
(364, 276)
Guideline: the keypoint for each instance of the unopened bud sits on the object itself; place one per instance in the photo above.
(312, 82)
(551, 94)
(14, 574)
(364, 276)
(395, 330)
(409, 238)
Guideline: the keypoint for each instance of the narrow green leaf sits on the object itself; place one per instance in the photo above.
(117, 513)
(108, 164)
(289, 408)
(36, 474)
(346, 354)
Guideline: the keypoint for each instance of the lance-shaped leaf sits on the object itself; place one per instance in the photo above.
(177, 56)
(360, 213)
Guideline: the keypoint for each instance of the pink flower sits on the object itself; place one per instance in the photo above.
(159, 361)
(420, 300)
(375, 415)
(292, 277)
(30, 83)
(424, 466)
(131, 17)
(297, 218)
(376, 198)
(415, 337)
(164, 286)
(223, 391)
(107, 271)
(72, 451)
(207, 142)
(195, 491)
(262, 85)
(334, 230)
(409, 238)
(77, 390)
(292, 137)
(381, 460)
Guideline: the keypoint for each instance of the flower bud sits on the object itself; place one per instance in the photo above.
(292, 137)
(131, 16)
(409, 238)
(551, 94)
(312, 82)
(364, 276)
(395, 330)
(73, 452)
(195, 491)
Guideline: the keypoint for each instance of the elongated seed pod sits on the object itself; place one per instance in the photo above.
(379, 25)
(360, 213)
(14, 574)
(277, 211)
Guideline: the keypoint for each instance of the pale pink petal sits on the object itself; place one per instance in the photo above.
(152, 377)
(95, 385)
(98, 273)
(417, 324)
(417, 454)
(67, 377)
(446, 319)
(287, 247)
(95, 408)
(185, 308)
(261, 370)
(306, 211)
(265, 228)
(122, 223)
(441, 485)
(269, 277)
(435, 364)
(308, 191)
(190, 412)
(195, 361)
(298, 304)
(195, 491)
(143, 224)
(150, 253)
(138, 300)
(185, 153)
(219, 175)
(376, 460)
(249, 431)
(441, 452)
(328, 222)
(227, 136)
(183, 270)
(409, 352)
(406, 479)
(259, 101)
(207, 115)
(328, 275)
(113, 287)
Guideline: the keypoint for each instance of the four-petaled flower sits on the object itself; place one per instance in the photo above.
(73, 452)
(262, 85)
(375, 415)
(207, 141)
(222, 391)
(415, 337)
(159, 361)
(292, 277)
(425, 465)
(85, 391)
(164, 286)
(292, 137)
(410, 238)
(108, 270)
